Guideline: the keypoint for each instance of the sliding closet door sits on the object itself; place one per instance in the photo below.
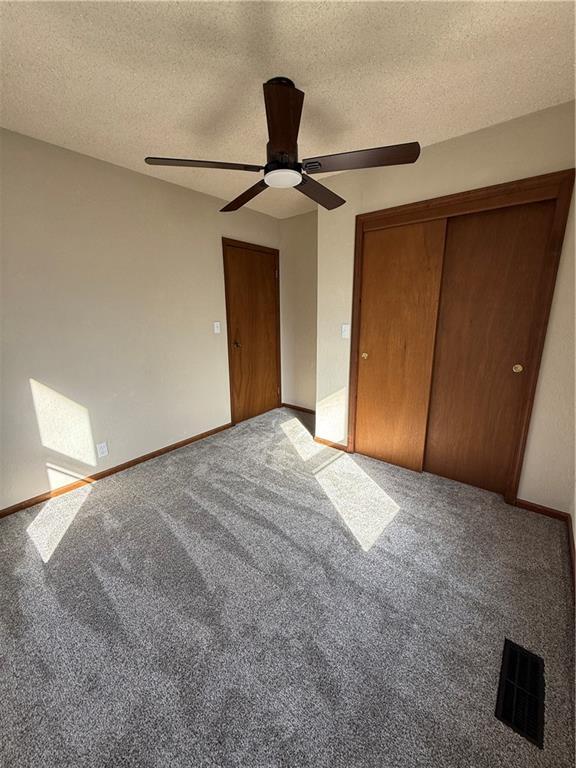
(495, 266)
(401, 273)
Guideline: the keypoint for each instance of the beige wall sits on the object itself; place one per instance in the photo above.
(538, 143)
(111, 283)
(298, 289)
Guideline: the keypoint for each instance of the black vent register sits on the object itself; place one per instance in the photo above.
(520, 701)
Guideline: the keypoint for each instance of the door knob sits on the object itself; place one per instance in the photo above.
(517, 368)
(365, 355)
(237, 344)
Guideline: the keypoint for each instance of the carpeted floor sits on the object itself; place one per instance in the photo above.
(234, 604)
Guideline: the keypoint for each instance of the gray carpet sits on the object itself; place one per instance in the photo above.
(230, 604)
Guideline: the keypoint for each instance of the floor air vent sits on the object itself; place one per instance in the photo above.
(520, 701)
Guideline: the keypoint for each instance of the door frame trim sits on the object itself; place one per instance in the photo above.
(551, 186)
(230, 243)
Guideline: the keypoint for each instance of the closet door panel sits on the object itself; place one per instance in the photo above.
(489, 313)
(401, 274)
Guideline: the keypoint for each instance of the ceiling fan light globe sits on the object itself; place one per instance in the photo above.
(282, 178)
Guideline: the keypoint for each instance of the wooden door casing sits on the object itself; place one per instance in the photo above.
(253, 323)
(402, 268)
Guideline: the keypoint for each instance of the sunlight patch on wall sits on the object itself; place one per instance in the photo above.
(64, 425)
(60, 476)
(332, 416)
(56, 516)
(365, 508)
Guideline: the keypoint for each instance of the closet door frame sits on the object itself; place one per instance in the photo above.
(551, 186)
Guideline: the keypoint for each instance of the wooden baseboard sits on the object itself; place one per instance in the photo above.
(556, 513)
(339, 446)
(297, 408)
(88, 480)
(548, 511)
(538, 508)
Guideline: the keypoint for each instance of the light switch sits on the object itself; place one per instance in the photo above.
(217, 327)
(345, 330)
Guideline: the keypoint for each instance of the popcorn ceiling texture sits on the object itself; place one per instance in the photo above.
(212, 609)
(119, 81)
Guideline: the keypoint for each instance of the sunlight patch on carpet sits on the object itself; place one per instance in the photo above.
(56, 516)
(365, 507)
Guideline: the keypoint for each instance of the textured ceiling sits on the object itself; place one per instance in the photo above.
(119, 81)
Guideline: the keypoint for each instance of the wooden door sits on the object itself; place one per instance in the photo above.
(401, 273)
(253, 322)
(491, 315)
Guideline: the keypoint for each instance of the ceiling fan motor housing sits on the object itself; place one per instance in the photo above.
(281, 81)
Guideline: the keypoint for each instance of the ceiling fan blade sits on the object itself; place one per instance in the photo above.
(319, 193)
(283, 103)
(201, 164)
(245, 197)
(395, 154)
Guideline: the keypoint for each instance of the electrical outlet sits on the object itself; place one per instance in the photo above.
(102, 449)
(217, 327)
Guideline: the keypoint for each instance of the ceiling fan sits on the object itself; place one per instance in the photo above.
(283, 103)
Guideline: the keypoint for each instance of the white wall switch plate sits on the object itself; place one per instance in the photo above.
(345, 330)
(217, 327)
(102, 449)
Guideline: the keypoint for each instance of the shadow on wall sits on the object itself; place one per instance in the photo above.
(65, 429)
(365, 508)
